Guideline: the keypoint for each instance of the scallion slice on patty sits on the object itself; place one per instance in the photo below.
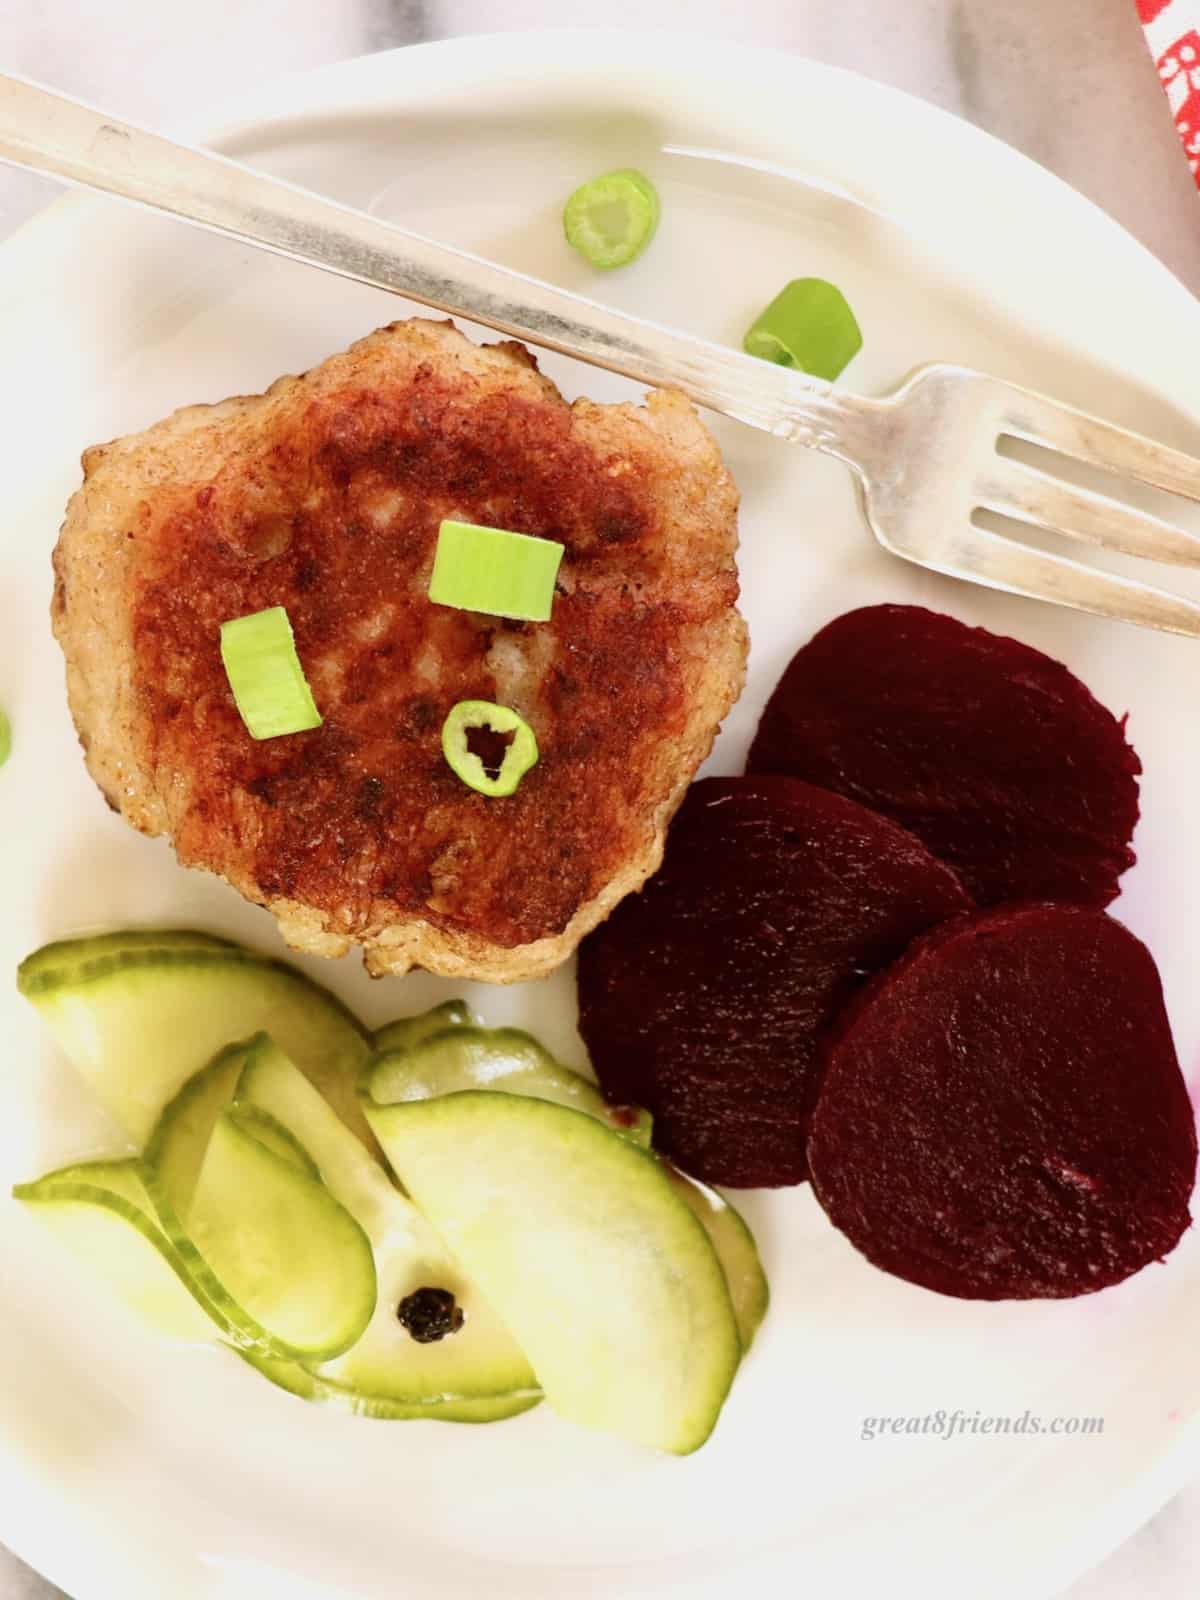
(489, 772)
(264, 672)
(491, 570)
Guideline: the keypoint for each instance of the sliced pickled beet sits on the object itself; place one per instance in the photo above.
(703, 998)
(993, 754)
(1002, 1114)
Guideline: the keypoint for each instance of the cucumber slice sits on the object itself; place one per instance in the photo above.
(180, 1137)
(406, 1032)
(283, 1248)
(126, 1180)
(502, 1060)
(101, 1211)
(137, 1023)
(272, 1134)
(585, 1248)
(736, 1251)
(66, 958)
(479, 1361)
(298, 1380)
(269, 1237)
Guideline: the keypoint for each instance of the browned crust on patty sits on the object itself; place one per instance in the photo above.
(325, 495)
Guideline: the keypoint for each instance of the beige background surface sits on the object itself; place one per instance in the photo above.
(1067, 81)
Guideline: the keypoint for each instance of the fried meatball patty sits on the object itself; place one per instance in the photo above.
(324, 495)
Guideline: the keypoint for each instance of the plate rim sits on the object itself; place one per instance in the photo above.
(293, 96)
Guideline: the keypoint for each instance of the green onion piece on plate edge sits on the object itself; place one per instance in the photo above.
(809, 325)
(611, 219)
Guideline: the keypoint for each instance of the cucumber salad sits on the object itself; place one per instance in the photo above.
(437, 1220)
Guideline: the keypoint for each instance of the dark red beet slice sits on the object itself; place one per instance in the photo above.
(704, 996)
(1002, 1115)
(993, 754)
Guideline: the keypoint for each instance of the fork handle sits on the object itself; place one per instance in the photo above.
(54, 134)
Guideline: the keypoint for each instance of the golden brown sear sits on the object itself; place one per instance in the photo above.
(324, 495)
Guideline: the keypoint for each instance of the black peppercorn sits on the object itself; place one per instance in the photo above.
(430, 1314)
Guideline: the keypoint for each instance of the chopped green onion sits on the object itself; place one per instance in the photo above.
(5, 738)
(264, 672)
(808, 325)
(491, 570)
(611, 219)
(521, 754)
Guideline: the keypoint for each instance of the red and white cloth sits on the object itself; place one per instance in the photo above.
(1173, 34)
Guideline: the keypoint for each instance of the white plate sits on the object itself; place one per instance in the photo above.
(134, 1470)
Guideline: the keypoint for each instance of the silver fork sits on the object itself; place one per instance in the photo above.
(926, 457)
